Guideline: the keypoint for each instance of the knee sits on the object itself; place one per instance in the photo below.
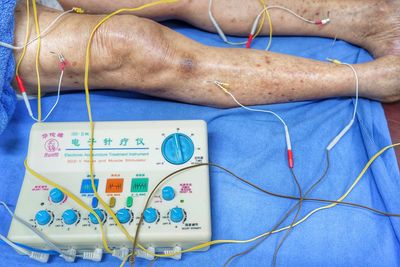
(130, 42)
(150, 53)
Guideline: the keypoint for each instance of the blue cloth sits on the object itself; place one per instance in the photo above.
(7, 94)
(253, 146)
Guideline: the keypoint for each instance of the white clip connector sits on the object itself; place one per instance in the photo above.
(144, 255)
(95, 255)
(40, 257)
(176, 251)
(325, 21)
(121, 253)
(69, 255)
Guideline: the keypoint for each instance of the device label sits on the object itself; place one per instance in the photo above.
(51, 143)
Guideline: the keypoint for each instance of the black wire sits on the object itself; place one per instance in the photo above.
(274, 258)
(151, 264)
(286, 215)
(132, 258)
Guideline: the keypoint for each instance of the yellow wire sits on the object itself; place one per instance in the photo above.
(125, 259)
(39, 89)
(71, 196)
(104, 204)
(266, 12)
(261, 25)
(86, 83)
(364, 170)
(26, 38)
(214, 242)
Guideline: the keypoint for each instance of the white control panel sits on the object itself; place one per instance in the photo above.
(130, 158)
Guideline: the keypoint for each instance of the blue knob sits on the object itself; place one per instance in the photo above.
(168, 193)
(70, 217)
(56, 196)
(124, 215)
(43, 217)
(150, 215)
(93, 219)
(176, 215)
(177, 148)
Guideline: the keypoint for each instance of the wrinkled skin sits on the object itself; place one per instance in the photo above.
(134, 53)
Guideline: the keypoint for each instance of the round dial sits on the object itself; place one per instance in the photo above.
(177, 148)
(150, 215)
(168, 193)
(99, 213)
(124, 215)
(43, 217)
(56, 196)
(176, 215)
(70, 217)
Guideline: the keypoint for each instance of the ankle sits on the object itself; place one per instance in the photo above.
(379, 79)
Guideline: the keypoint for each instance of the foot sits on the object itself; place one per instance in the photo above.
(381, 34)
(381, 79)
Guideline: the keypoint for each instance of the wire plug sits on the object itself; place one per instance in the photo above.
(253, 31)
(121, 253)
(176, 251)
(22, 89)
(289, 148)
(69, 255)
(63, 62)
(40, 257)
(144, 255)
(221, 86)
(249, 40)
(78, 10)
(95, 255)
(335, 61)
(322, 23)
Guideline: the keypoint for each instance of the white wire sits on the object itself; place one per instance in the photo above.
(287, 10)
(58, 95)
(14, 246)
(351, 122)
(51, 245)
(55, 103)
(38, 256)
(225, 39)
(286, 128)
(218, 28)
(219, 84)
(357, 89)
(43, 34)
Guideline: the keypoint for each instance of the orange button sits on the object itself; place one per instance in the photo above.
(114, 185)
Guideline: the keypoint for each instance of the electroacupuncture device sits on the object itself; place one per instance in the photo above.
(130, 158)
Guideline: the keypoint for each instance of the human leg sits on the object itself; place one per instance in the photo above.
(132, 53)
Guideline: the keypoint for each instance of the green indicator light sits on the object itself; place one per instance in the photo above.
(140, 185)
(129, 202)
(182, 200)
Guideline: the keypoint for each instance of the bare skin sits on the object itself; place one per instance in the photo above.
(132, 53)
(373, 25)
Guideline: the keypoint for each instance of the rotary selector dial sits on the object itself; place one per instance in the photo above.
(168, 193)
(176, 215)
(56, 195)
(43, 217)
(124, 215)
(70, 217)
(99, 213)
(177, 148)
(150, 215)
